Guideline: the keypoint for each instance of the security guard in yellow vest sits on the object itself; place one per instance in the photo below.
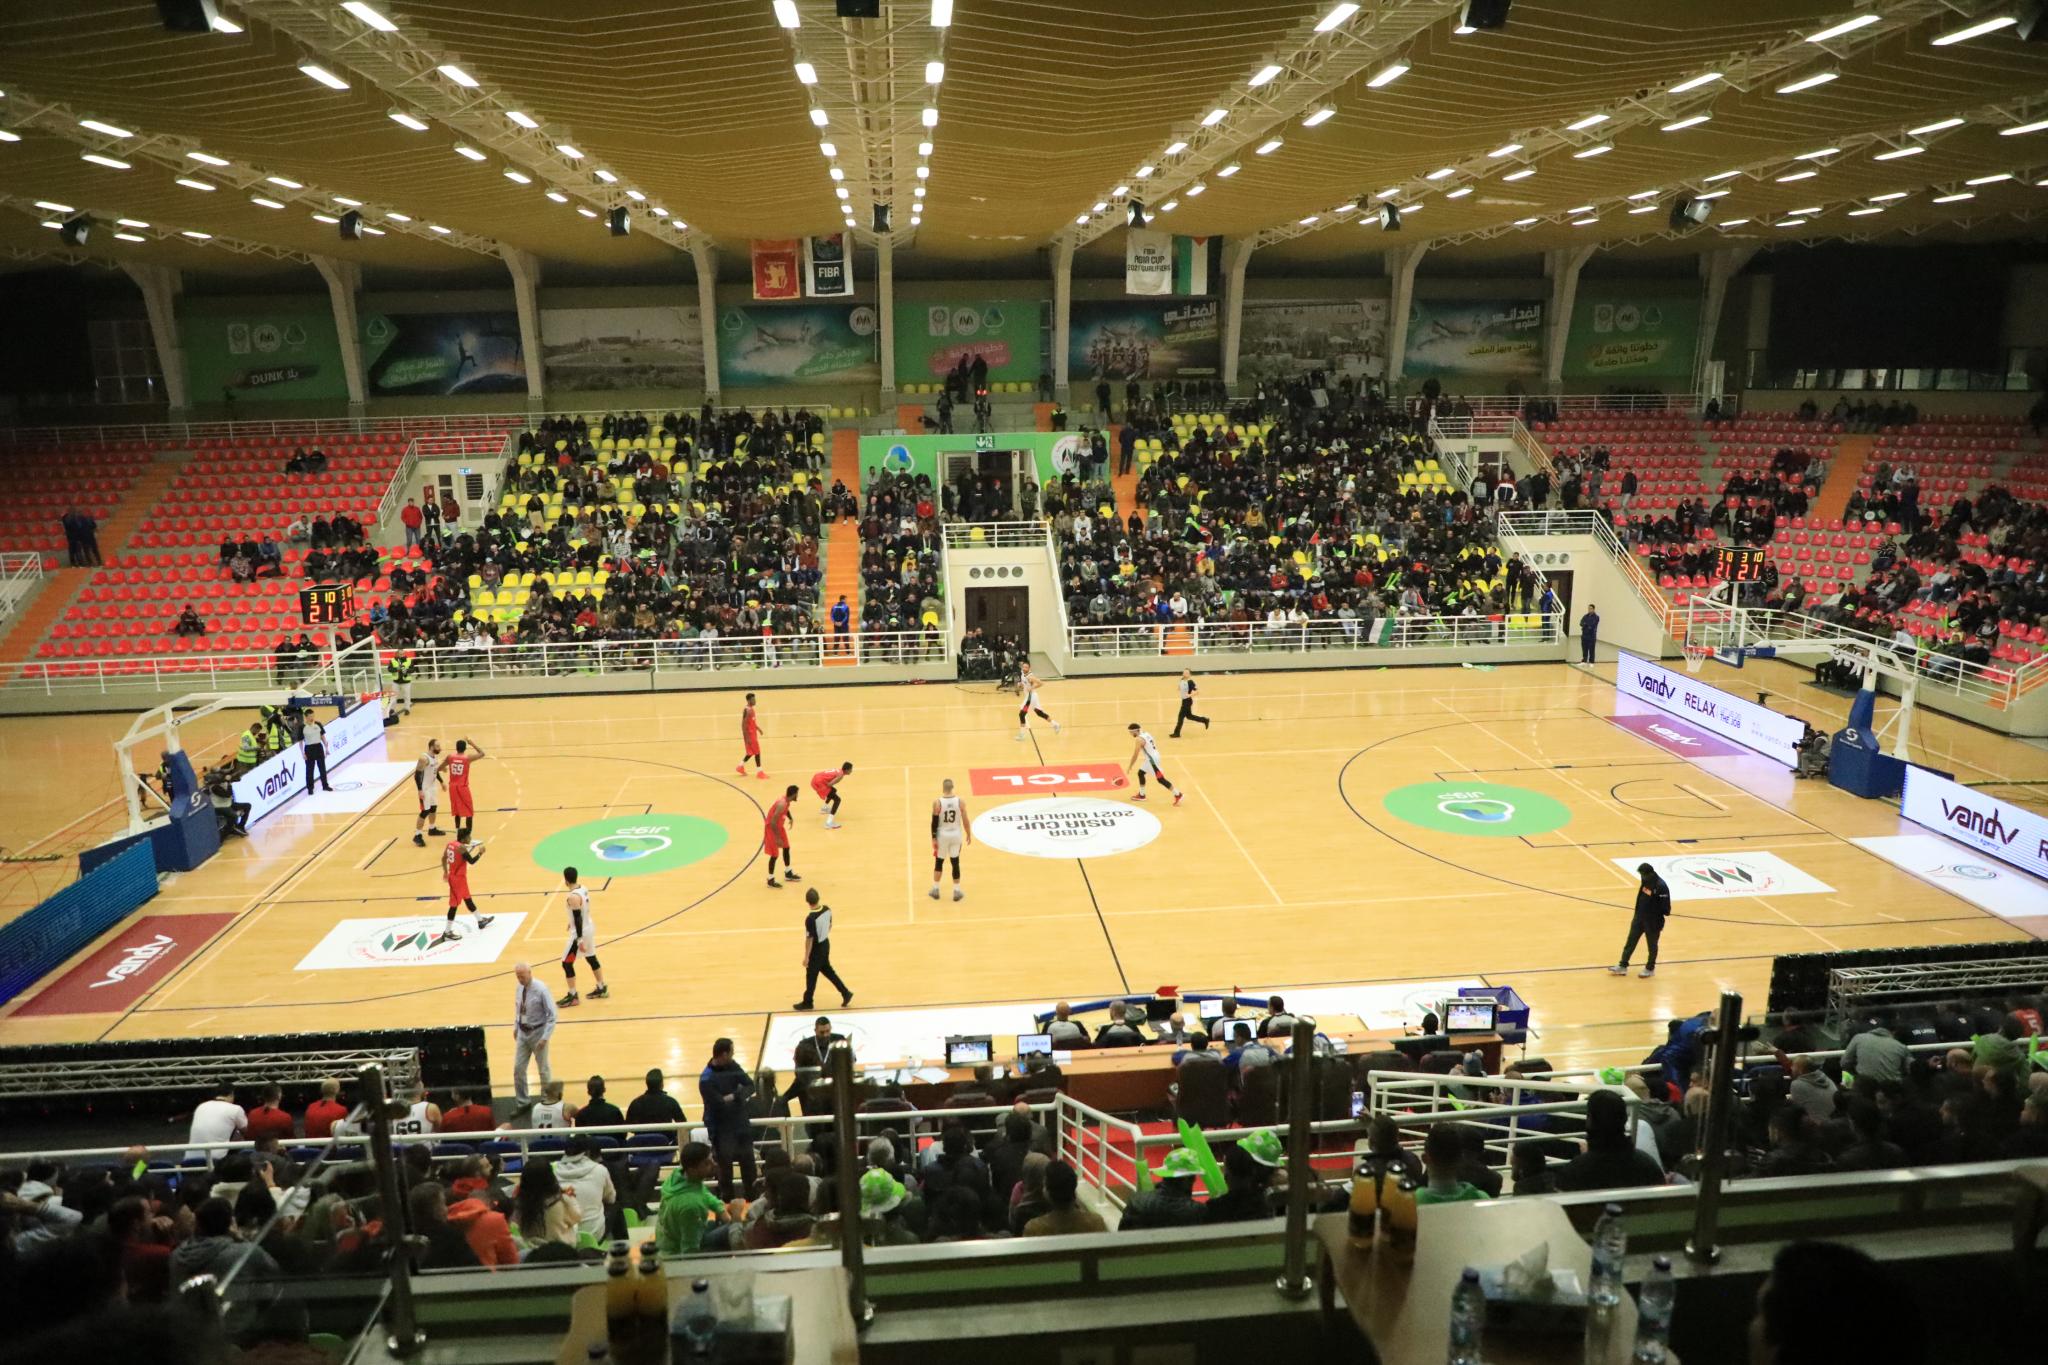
(249, 750)
(402, 667)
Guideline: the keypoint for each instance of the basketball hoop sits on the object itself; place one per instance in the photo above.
(1696, 657)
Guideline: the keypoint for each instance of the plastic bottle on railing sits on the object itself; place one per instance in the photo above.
(1468, 1319)
(1610, 1252)
(1653, 1313)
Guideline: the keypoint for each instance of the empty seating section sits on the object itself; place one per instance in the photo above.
(240, 486)
(1747, 444)
(128, 608)
(1662, 448)
(38, 486)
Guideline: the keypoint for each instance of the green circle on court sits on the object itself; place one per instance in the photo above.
(1481, 808)
(631, 845)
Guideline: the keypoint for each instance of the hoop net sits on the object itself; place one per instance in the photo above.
(1696, 657)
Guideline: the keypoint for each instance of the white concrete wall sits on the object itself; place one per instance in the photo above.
(1626, 620)
(1028, 567)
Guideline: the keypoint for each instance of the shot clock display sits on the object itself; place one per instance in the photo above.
(327, 604)
(1741, 563)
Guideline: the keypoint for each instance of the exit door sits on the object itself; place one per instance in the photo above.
(1001, 611)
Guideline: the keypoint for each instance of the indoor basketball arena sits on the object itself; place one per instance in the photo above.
(829, 680)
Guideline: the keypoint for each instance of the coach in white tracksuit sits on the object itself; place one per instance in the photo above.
(533, 1024)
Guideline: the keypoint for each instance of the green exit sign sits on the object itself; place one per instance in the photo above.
(984, 443)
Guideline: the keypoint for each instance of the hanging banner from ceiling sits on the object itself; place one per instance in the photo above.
(1286, 338)
(1118, 340)
(1635, 334)
(823, 343)
(593, 349)
(264, 354)
(828, 267)
(931, 340)
(1148, 262)
(1191, 265)
(1495, 338)
(441, 354)
(776, 269)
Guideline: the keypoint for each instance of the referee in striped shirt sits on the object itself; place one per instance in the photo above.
(818, 951)
(1187, 705)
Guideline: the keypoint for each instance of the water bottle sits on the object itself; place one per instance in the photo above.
(700, 1322)
(1610, 1251)
(1468, 1313)
(1653, 1313)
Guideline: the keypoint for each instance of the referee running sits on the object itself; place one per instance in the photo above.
(1187, 705)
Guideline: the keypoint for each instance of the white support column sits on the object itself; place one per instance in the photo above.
(344, 279)
(706, 258)
(1562, 268)
(885, 313)
(1717, 268)
(1401, 263)
(525, 270)
(1237, 254)
(1062, 311)
(160, 286)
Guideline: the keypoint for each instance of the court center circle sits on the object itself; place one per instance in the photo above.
(631, 846)
(1482, 808)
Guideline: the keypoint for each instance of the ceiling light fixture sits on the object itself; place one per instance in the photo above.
(1232, 169)
(518, 177)
(1169, 206)
(369, 16)
(129, 237)
(131, 222)
(52, 206)
(1845, 27)
(6, 136)
(457, 74)
(398, 217)
(570, 150)
(1958, 197)
(1898, 153)
(843, 192)
(1584, 222)
(807, 73)
(1808, 82)
(197, 236)
(1976, 30)
(1335, 17)
(586, 212)
(345, 201)
(820, 118)
(261, 202)
(930, 117)
(1525, 222)
(1938, 126)
(1733, 223)
(1601, 149)
(1589, 121)
(924, 172)
(1817, 155)
(109, 129)
(1888, 198)
(558, 196)
(1214, 117)
(934, 72)
(283, 183)
(192, 184)
(942, 13)
(1507, 149)
(1319, 117)
(111, 163)
(222, 24)
(465, 150)
(2036, 126)
(323, 75)
(1644, 208)
(1718, 176)
(1197, 188)
(1990, 179)
(1690, 121)
(1306, 221)
(1441, 172)
(1705, 78)
(1583, 208)
(1120, 191)
(372, 231)
(1522, 174)
(1713, 194)
(1082, 219)
(325, 218)
(1458, 193)
(786, 15)
(1100, 205)
(1797, 175)
(1268, 147)
(405, 120)
(524, 120)
(1175, 149)
(1865, 212)
(606, 176)
(1388, 74)
(1646, 194)
(1143, 171)
(1264, 75)
(925, 149)
(437, 228)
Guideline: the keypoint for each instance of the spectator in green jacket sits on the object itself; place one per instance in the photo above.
(688, 1205)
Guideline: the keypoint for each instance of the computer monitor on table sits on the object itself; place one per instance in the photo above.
(967, 1051)
(1034, 1045)
(1159, 1009)
(1468, 1015)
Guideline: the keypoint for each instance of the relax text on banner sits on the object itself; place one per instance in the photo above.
(1752, 726)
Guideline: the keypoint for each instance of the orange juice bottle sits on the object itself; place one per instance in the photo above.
(621, 1310)
(1365, 1205)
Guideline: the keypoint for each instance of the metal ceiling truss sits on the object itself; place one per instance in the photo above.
(872, 88)
(1759, 170)
(173, 154)
(105, 222)
(1313, 67)
(1766, 236)
(1741, 70)
(407, 72)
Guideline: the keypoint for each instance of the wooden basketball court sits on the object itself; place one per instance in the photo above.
(1339, 828)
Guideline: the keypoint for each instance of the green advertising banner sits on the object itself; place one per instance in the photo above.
(932, 338)
(1496, 339)
(1632, 335)
(267, 353)
(1052, 452)
(814, 343)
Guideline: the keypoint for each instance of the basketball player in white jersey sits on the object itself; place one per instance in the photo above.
(949, 834)
(422, 1116)
(582, 939)
(552, 1111)
(426, 775)
(1145, 749)
(1027, 687)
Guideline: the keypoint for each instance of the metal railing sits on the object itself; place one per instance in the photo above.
(122, 1075)
(280, 429)
(19, 572)
(574, 658)
(995, 535)
(1585, 522)
(395, 492)
(1308, 637)
(1994, 684)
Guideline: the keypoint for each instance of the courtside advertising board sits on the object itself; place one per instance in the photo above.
(1720, 713)
(2000, 829)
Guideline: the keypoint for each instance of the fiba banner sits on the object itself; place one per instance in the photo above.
(1117, 340)
(1003, 332)
(1148, 262)
(1996, 828)
(262, 354)
(828, 267)
(1287, 337)
(775, 269)
(1637, 335)
(593, 349)
(1720, 713)
(442, 354)
(819, 343)
(1455, 337)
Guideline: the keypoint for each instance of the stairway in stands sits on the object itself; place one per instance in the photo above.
(29, 628)
(839, 547)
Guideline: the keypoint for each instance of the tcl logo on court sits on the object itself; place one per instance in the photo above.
(1081, 779)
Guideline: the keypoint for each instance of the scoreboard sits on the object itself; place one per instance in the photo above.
(1742, 563)
(327, 604)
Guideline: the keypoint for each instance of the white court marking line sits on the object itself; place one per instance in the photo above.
(1243, 852)
(1702, 796)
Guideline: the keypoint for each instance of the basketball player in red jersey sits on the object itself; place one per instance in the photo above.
(775, 835)
(750, 731)
(825, 786)
(455, 862)
(460, 804)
